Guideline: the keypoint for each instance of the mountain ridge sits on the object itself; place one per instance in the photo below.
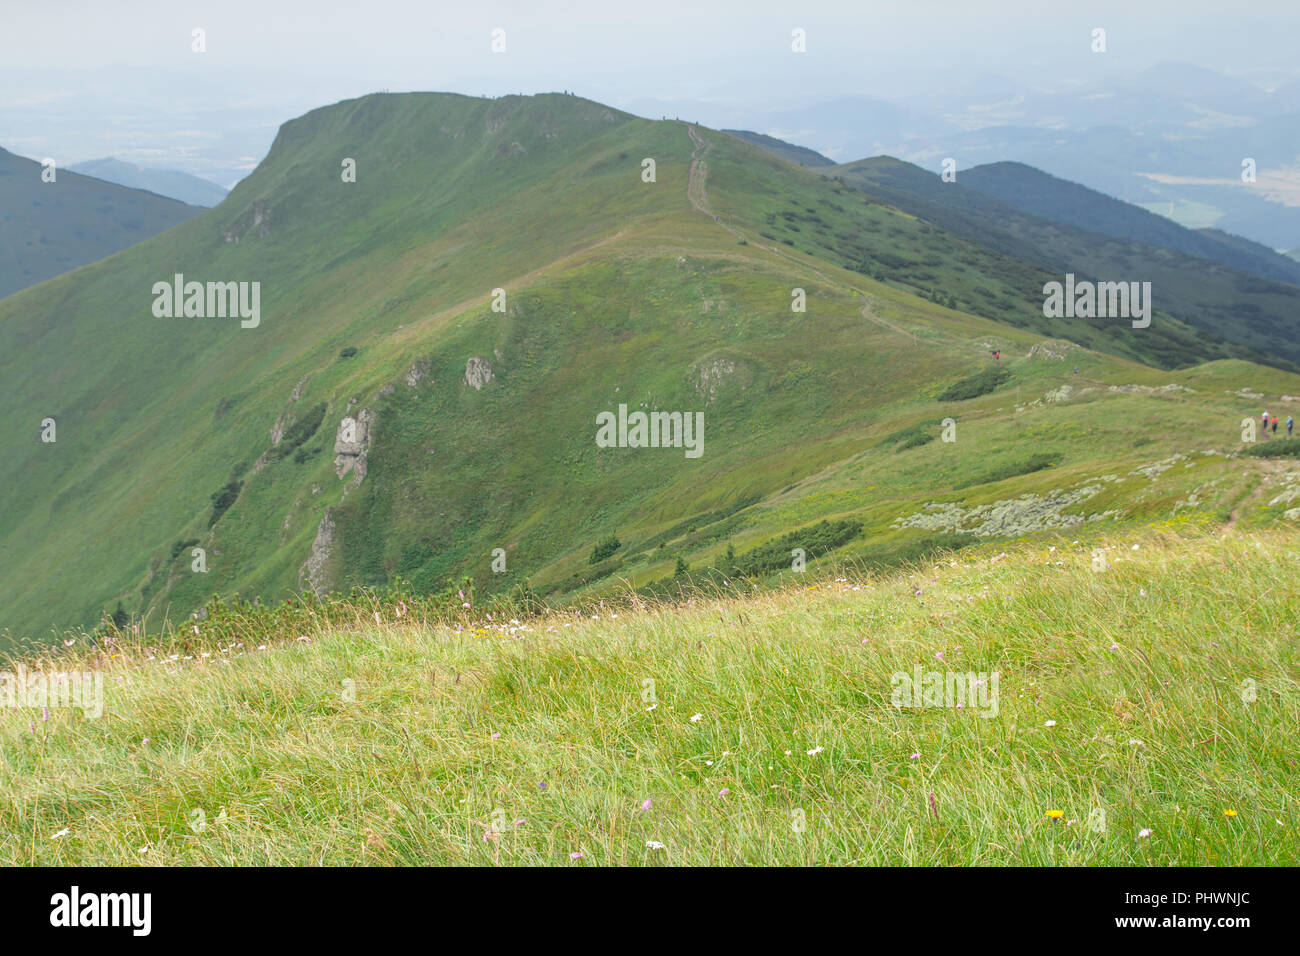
(385, 421)
(53, 227)
(171, 183)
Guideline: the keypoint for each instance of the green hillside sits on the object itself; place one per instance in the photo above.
(796, 154)
(1257, 313)
(1140, 716)
(47, 228)
(475, 429)
(1057, 200)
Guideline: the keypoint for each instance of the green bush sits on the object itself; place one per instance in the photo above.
(1035, 463)
(604, 549)
(975, 385)
(223, 499)
(774, 555)
(302, 429)
(180, 546)
(1274, 449)
(911, 437)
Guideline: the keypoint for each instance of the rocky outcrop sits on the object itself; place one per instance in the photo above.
(416, 373)
(253, 223)
(717, 375)
(1016, 516)
(313, 569)
(709, 375)
(1062, 394)
(1169, 389)
(282, 422)
(1051, 349)
(351, 444)
(478, 372)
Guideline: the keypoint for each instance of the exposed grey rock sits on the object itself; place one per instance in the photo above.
(478, 372)
(351, 444)
(1051, 349)
(322, 548)
(282, 422)
(254, 223)
(416, 373)
(1016, 516)
(710, 374)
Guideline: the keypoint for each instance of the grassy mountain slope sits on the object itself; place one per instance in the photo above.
(377, 302)
(1048, 197)
(1150, 707)
(796, 154)
(1256, 312)
(48, 228)
(165, 182)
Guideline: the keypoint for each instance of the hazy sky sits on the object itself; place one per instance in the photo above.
(609, 49)
(86, 78)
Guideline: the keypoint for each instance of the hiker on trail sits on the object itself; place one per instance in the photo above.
(1263, 421)
(1289, 422)
(1274, 424)
(997, 355)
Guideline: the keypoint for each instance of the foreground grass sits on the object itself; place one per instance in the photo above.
(1157, 695)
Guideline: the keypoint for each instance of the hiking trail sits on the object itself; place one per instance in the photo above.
(1267, 471)
(697, 194)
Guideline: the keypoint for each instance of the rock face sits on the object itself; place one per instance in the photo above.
(282, 421)
(1051, 349)
(1015, 516)
(478, 372)
(721, 377)
(254, 223)
(285, 418)
(352, 443)
(313, 570)
(416, 372)
(1150, 389)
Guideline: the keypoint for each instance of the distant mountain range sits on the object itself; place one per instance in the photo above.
(47, 228)
(165, 182)
(1050, 197)
(1171, 138)
(796, 154)
(1218, 282)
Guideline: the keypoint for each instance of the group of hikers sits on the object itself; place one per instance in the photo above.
(1265, 421)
